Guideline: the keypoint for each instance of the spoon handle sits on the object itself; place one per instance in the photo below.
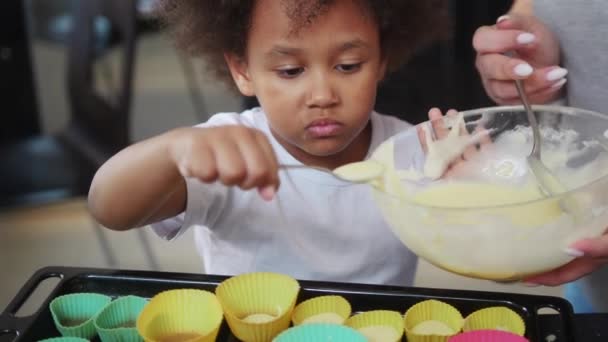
(322, 169)
(531, 118)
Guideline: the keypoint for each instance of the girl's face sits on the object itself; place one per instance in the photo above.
(317, 85)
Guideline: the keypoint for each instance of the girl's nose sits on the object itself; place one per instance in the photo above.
(321, 94)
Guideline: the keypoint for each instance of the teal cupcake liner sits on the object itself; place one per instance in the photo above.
(73, 314)
(116, 322)
(320, 333)
(64, 339)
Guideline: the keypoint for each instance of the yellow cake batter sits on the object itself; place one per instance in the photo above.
(380, 333)
(259, 318)
(433, 327)
(325, 317)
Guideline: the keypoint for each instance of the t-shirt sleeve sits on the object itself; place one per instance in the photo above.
(205, 202)
(204, 205)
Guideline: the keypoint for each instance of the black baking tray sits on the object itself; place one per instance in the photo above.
(117, 283)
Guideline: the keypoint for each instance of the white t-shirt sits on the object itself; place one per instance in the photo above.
(316, 228)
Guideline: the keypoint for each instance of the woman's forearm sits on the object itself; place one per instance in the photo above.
(139, 185)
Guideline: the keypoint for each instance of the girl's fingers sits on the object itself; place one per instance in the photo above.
(200, 164)
(257, 166)
(437, 124)
(230, 163)
(422, 137)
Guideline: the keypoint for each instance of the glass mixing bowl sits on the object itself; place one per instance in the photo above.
(486, 217)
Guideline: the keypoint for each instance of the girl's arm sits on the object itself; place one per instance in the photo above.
(139, 185)
(145, 183)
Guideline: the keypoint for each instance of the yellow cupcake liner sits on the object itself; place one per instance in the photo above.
(373, 325)
(260, 293)
(322, 309)
(187, 315)
(432, 311)
(495, 318)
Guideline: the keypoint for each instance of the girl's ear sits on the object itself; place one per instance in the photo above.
(240, 73)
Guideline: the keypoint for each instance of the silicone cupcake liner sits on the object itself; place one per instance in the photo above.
(378, 325)
(322, 309)
(495, 318)
(432, 311)
(73, 314)
(184, 315)
(320, 333)
(116, 322)
(487, 336)
(265, 295)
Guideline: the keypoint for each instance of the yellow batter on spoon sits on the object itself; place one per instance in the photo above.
(360, 172)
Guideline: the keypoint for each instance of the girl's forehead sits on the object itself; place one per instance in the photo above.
(291, 18)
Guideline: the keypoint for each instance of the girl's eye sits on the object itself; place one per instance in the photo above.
(348, 68)
(290, 73)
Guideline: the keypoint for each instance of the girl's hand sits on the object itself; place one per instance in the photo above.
(591, 254)
(536, 58)
(234, 155)
(440, 131)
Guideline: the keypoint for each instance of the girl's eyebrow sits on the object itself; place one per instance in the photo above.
(352, 44)
(282, 50)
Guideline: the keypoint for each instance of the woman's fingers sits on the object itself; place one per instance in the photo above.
(542, 83)
(489, 40)
(591, 254)
(572, 271)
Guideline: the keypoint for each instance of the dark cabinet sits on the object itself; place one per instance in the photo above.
(444, 75)
(17, 94)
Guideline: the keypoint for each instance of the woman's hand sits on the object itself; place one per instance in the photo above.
(536, 56)
(234, 155)
(590, 255)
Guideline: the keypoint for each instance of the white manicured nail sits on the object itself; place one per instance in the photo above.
(559, 83)
(523, 69)
(556, 74)
(574, 252)
(526, 38)
(502, 18)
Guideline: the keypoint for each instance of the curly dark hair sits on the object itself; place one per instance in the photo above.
(210, 28)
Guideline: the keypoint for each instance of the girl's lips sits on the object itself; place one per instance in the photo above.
(324, 128)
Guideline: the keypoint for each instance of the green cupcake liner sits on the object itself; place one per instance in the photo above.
(116, 322)
(64, 339)
(73, 314)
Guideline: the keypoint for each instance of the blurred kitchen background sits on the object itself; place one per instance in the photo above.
(71, 70)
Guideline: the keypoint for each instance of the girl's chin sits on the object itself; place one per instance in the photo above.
(324, 150)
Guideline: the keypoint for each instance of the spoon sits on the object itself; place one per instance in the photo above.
(358, 172)
(548, 183)
(540, 171)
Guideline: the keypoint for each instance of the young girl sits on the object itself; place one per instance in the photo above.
(314, 67)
